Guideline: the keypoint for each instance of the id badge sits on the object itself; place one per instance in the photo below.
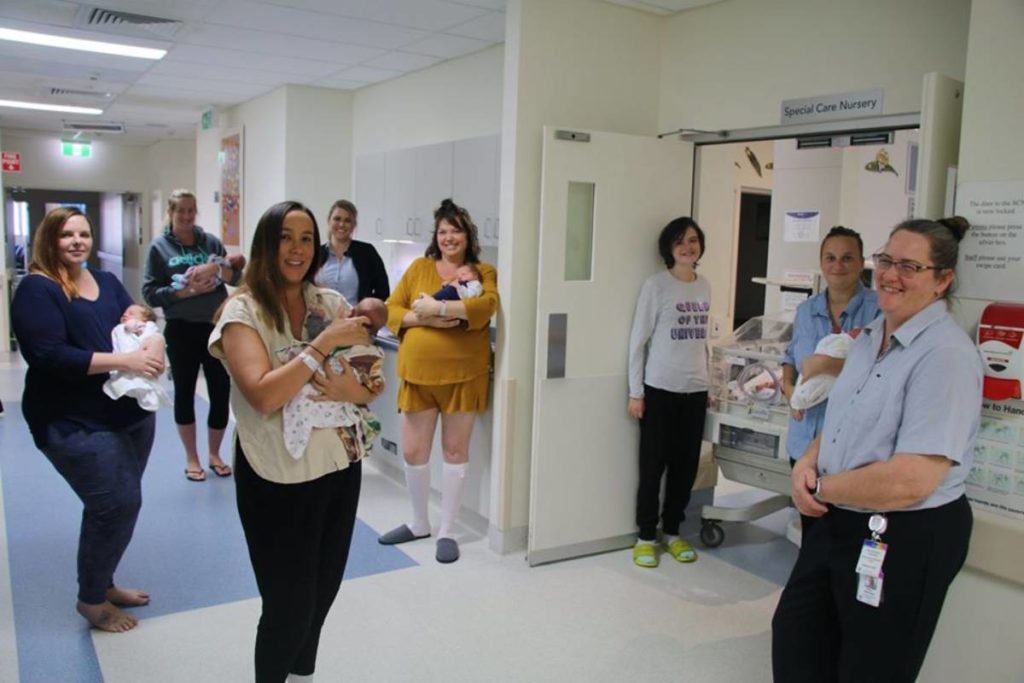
(869, 589)
(872, 555)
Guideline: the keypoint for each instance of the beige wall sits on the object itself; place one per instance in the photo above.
(460, 98)
(318, 153)
(729, 65)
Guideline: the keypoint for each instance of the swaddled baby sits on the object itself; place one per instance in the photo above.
(816, 389)
(356, 425)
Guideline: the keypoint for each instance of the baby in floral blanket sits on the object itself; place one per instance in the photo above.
(356, 425)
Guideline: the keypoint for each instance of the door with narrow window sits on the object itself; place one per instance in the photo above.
(605, 198)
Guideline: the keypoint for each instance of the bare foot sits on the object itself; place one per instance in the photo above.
(127, 597)
(106, 617)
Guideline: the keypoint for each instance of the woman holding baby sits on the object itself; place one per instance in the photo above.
(444, 366)
(186, 272)
(298, 513)
(843, 306)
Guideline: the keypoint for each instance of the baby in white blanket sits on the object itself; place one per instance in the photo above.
(816, 389)
(137, 330)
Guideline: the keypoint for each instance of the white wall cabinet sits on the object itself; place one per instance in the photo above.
(475, 183)
(397, 191)
(399, 200)
(370, 195)
(432, 183)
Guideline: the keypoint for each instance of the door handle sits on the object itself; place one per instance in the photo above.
(558, 324)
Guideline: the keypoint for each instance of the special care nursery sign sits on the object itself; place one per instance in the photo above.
(990, 264)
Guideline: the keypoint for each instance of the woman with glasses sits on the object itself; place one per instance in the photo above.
(885, 479)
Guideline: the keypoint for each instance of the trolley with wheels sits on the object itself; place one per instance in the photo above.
(747, 419)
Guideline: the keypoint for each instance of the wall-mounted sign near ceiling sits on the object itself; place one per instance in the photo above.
(76, 149)
(850, 105)
(11, 162)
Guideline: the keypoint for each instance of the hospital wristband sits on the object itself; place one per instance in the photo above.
(310, 362)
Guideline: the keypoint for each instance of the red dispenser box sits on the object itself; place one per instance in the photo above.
(1000, 333)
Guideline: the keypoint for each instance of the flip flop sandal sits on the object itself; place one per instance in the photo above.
(221, 470)
(195, 475)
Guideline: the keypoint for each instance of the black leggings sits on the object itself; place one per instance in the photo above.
(298, 537)
(671, 432)
(187, 351)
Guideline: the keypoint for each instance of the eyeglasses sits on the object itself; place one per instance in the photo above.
(884, 262)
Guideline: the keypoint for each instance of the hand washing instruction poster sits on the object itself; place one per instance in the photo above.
(996, 478)
(990, 264)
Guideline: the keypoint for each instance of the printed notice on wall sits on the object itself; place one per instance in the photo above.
(995, 481)
(990, 255)
(802, 226)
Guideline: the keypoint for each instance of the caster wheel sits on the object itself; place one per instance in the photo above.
(711, 534)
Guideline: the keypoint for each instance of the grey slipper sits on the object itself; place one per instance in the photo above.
(447, 550)
(400, 534)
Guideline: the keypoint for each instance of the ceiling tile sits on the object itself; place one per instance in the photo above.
(366, 74)
(488, 4)
(490, 27)
(218, 35)
(401, 61)
(446, 46)
(205, 85)
(339, 83)
(428, 15)
(200, 54)
(227, 73)
(305, 25)
(182, 95)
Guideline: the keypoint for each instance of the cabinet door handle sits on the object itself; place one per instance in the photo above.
(416, 226)
(408, 230)
(378, 228)
(497, 222)
(487, 225)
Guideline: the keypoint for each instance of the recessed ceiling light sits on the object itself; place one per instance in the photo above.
(80, 44)
(50, 107)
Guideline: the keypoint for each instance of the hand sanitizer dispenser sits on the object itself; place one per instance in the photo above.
(1000, 336)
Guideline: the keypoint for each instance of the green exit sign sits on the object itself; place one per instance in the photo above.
(76, 149)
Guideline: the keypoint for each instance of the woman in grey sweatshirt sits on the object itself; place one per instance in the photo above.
(668, 388)
(186, 272)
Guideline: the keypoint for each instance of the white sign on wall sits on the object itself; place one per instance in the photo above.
(990, 264)
(849, 105)
(996, 478)
(802, 226)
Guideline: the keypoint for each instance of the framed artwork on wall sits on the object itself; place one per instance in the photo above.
(230, 160)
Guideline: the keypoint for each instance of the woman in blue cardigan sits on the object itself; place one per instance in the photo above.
(63, 314)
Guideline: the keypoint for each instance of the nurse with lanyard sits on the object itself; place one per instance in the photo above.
(885, 479)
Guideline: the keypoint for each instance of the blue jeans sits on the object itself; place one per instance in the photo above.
(105, 471)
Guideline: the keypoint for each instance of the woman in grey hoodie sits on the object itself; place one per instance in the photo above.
(186, 272)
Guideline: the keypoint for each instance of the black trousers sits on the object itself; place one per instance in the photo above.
(187, 350)
(671, 431)
(822, 634)
(298, 537)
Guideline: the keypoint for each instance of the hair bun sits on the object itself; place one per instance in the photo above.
(958, 225)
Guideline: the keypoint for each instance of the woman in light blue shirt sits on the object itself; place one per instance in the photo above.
(889, 465)
(845, 305)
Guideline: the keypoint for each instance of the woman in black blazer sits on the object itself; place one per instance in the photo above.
(348, 266)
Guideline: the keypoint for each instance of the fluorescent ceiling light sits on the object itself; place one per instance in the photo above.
(50, 107)
(80, 44)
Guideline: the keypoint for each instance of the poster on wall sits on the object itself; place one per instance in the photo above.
(990, 255)
(802, 226)
(230, 158)
(996, 478)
